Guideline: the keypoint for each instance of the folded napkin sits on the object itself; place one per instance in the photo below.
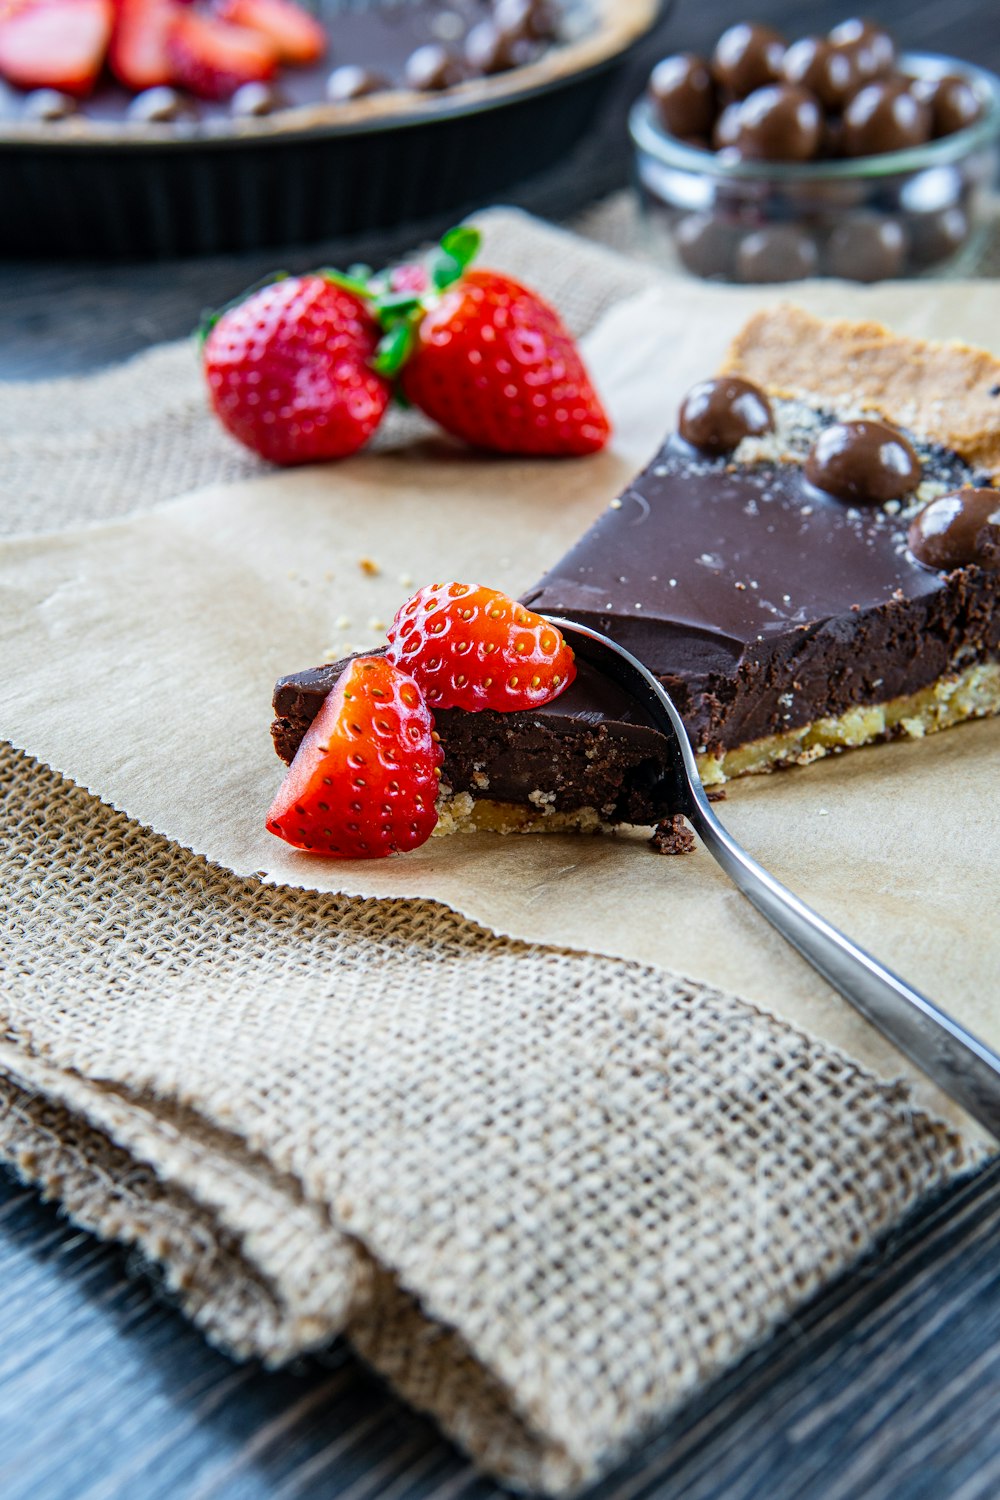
(547, 1192)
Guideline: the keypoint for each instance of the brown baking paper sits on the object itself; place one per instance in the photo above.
(138, 658)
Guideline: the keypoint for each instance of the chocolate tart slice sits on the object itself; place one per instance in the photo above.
(786, 621)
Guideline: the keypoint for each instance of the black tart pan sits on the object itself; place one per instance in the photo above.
(93, 186)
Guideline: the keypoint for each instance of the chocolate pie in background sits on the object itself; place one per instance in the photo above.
(419, 110)
(812, 563)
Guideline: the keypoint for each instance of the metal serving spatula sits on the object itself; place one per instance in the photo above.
(964, 1067)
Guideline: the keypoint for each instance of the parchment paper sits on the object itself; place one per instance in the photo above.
(138, 658)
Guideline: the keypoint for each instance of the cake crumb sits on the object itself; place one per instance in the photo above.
(616, 505)
(376, 624)
(342, 622)
(672, 836)
(406, 579)
(368, 567)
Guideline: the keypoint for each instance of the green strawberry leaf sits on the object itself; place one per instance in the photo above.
(348, 281)
(394, 349)
(459, 248)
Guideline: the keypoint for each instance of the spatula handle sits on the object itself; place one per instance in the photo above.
(964, 1067)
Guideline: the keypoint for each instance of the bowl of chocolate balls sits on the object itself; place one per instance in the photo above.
(828, 156)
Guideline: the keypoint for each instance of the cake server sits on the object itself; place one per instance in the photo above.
(964, 1067)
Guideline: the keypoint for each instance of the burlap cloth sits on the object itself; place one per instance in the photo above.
(546, 1194)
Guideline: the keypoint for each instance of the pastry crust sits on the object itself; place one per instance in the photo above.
(948, 393)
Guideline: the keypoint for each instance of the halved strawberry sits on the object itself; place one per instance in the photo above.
(213, 58)
(56, 44)
(139, 57)
(297, 36)
(365, 779)
(473, 647)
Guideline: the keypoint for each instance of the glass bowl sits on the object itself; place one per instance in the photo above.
(923, 211)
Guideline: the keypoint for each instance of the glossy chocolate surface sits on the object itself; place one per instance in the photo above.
(716, 415)
(866, 462)
(683, 95)
(958, 529)
(870, 47)
(885, 117)
(747, 56)
(780, 122)
(828, 72)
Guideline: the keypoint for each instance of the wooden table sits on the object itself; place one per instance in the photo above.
(888, 1386)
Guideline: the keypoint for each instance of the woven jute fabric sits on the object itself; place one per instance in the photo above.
(546, 1194)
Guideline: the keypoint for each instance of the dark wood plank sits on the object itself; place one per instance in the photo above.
(887, 1387)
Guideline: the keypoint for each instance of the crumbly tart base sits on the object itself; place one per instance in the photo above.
(972, 693)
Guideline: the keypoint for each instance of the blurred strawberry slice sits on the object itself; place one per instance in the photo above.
(213, 58)
(298, 36)
(56, 44)
(139, 58)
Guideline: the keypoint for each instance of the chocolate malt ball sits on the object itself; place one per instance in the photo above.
(746, 57)
(866, 247)
(683, 95)
(885, 117)
(778, 252)
(779, 122)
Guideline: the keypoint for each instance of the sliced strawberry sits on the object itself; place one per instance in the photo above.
(297, 36)
(473, 647)
(56, 44)
(365, 779)
(213, 58)
(139, 56)
(289, 371)
(495, 365)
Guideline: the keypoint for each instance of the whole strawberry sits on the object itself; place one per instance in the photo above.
(473, 647)
(489, 360)
(364, 781)
(289, 371)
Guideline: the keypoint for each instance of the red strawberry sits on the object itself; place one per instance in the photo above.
(297, 36)
(213, 59)
(288, 371)
(472, 647)
(494, 364)
(365, 779)
(139, 56)
(56, 44)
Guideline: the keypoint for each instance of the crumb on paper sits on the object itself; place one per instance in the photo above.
(328, 575)
(342, 622)
(672, 836)
(406, 579)
(370, 568)
(376, 624)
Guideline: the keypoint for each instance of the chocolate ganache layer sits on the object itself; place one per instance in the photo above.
(783, 620)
